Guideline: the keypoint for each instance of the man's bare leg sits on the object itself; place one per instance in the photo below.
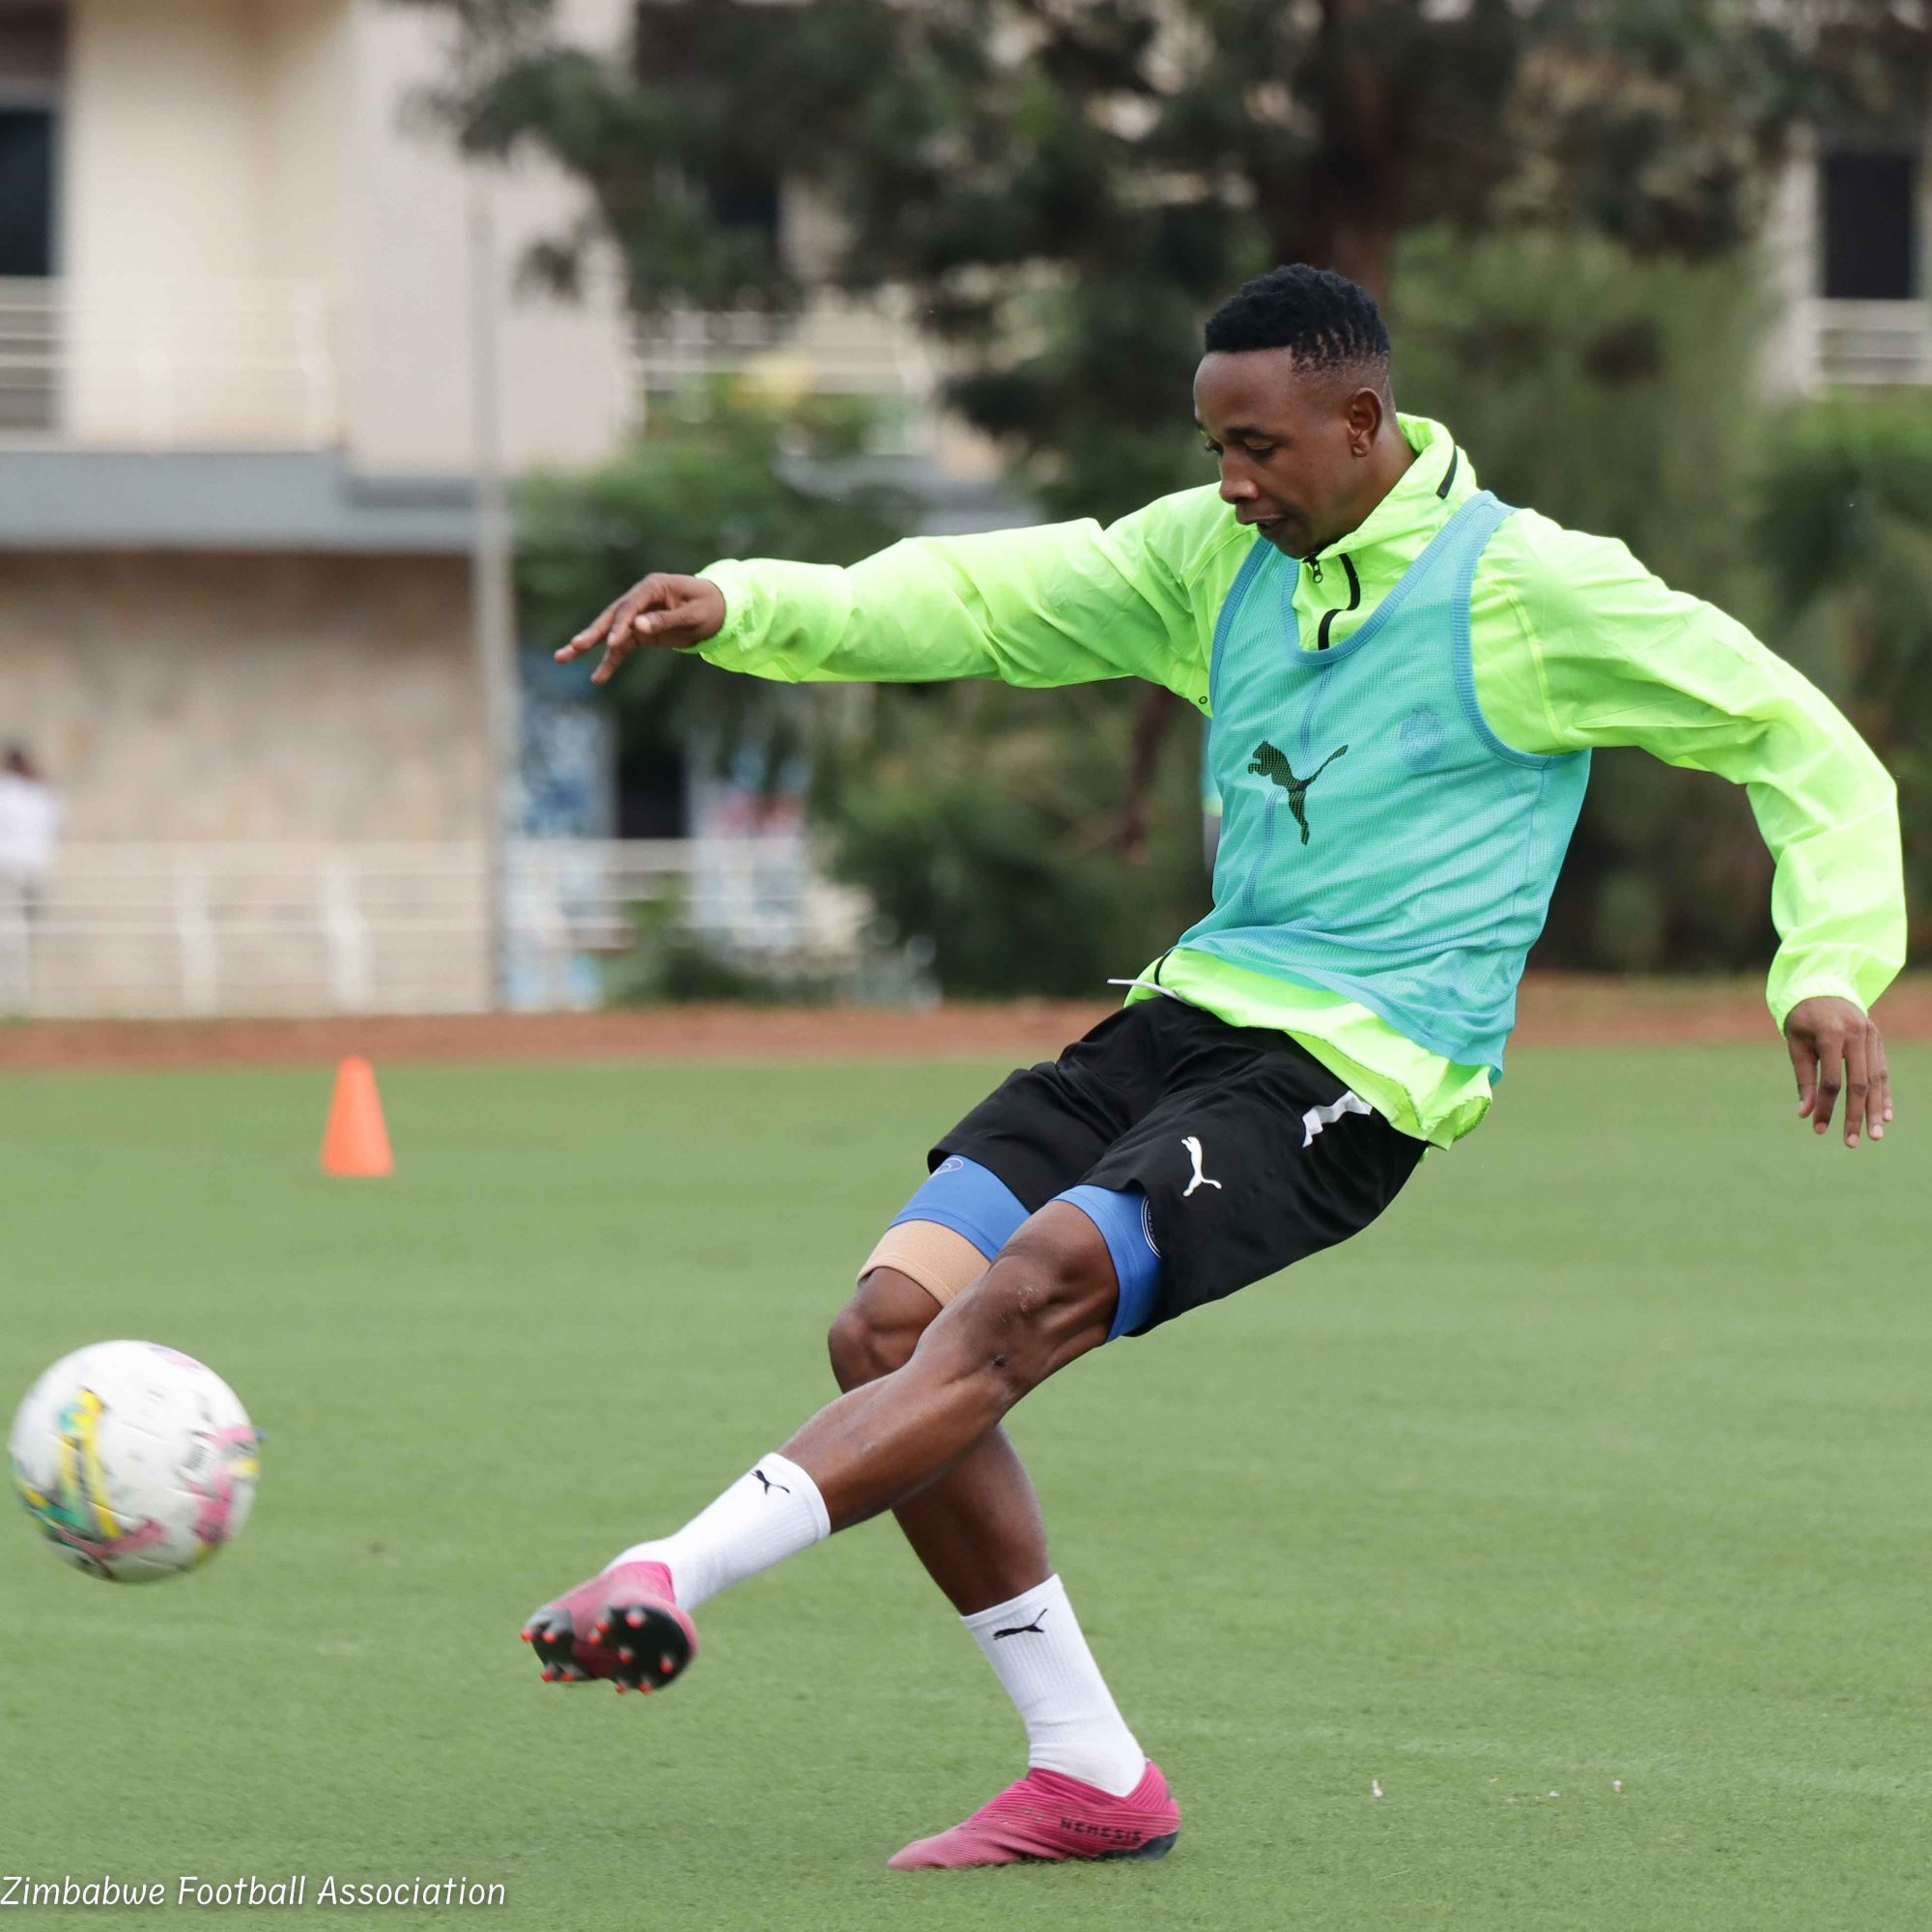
(1047, 1298)
(924, 1439)
(978, 1529)
(979, 1532)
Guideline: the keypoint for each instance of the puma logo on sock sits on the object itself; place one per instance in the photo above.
(770, 1486)
(1024, 1629)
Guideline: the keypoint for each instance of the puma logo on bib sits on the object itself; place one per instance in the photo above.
(1267, 762)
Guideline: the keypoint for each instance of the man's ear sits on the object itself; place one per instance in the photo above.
(1364, 413)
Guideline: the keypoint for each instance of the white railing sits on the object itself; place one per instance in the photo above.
(163, 930)
(1865, 344)
(873, 351)
(154, 364)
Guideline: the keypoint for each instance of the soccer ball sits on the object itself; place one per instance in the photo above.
(135, 1461)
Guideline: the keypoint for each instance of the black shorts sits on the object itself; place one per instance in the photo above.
(1251, 1154)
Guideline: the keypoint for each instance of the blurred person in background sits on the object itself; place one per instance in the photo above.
(30, 811)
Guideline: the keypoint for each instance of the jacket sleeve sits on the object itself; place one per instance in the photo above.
(1619, 658)
(1057, 604)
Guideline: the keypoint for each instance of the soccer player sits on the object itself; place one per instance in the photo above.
(1405, 678)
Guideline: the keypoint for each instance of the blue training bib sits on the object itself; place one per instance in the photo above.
(1378, 839)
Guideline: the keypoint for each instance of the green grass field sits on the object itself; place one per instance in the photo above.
(1602, 1460)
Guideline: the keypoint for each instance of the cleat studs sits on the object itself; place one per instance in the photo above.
(665, 1664)
(635, 1619)
(551, 1676)
(528, 1635)
(627, 1655)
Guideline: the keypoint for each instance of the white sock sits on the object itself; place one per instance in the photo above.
(770, 1513)
(1072, 1723)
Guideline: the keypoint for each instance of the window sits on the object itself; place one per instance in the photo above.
(26, 191)
(33, 36)
(1870, 226)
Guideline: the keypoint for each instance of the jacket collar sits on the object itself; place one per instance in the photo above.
(1437, 483)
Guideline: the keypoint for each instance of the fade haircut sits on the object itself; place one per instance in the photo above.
(1327, 321)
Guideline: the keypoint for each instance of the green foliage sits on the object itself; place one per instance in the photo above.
(1844, 532)
(980, 818)
(1066, 188)
(668, 964)
(730, 484)
(1615, 395)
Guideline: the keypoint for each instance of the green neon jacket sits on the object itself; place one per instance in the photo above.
(1574, 646)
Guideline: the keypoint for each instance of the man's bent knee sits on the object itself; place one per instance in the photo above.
(930, 1255)
(877, 1330)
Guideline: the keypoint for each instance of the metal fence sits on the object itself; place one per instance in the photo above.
(870, 350)
(1865, 344)
(166, 930)
(149, 364)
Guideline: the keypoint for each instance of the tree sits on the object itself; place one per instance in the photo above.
(1066, 185)
(1844, 529)
(726, 487)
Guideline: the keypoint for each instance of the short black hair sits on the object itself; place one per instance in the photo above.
(1328, 321)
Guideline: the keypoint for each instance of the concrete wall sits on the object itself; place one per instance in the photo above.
(246, 697)
(233, 168)
(162, 171)
(306, 68)
(566, 366)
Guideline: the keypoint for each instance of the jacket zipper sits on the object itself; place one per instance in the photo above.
(1355, 603)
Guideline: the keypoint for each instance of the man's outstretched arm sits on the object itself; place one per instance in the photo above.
(1621, 659)
(1057, 604)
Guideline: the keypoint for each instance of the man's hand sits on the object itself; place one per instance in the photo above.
(1833, 1044)
(677, 611)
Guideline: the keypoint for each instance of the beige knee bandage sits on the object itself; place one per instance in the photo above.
(939, 1258)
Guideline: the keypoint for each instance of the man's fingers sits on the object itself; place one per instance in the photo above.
(614, 654)
(1878, 1104)
(595, 633)
(615, 623)
(591, 635)
(1803, 1063)
(663, 624)
(1858, 1085)
(1830, 1078)
(662, 610)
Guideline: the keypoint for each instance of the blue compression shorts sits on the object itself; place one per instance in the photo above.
(974, 1203)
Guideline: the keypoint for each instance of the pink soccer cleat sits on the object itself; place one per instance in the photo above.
(1050, 1817)
(624, 1625)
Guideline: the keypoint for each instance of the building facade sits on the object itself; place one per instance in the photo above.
(243, 278)
(239, 276)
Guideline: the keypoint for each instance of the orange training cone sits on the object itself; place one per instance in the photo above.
(357, 1143)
